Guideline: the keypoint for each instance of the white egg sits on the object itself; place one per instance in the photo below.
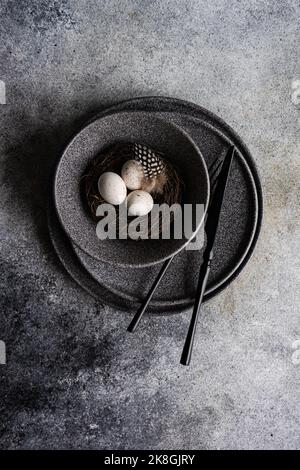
(112, 188)
(139, 203)
(133, 174)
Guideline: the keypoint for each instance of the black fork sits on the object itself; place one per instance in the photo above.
(213, 172)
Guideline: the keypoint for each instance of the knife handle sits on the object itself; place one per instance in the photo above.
(189, 341)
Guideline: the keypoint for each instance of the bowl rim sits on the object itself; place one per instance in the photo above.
(100, 117)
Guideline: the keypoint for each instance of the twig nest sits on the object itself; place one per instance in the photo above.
(133, 174)
(112, 188)
(160, 178)
(139, 203)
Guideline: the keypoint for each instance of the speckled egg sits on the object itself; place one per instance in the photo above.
(112, 188)
(133, 174)
(139, 203)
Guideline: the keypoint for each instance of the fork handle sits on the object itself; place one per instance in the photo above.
(189, 341)
(137, 317)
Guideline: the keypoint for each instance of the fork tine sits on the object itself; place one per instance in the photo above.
(213, 164)
(214, 167)
(213, 172)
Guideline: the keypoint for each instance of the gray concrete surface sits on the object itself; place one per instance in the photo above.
(74, 378)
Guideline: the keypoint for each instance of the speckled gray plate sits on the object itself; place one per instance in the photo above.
(151, 130)
(239, 229)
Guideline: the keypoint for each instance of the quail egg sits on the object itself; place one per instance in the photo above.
(139, 203)
(133, 174)
(112, 188)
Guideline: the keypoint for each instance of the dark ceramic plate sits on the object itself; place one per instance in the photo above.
(149, 129)
(239, 229)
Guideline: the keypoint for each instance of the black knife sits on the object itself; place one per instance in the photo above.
(211, 228)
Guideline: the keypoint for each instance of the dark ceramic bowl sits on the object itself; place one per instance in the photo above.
(142, 127)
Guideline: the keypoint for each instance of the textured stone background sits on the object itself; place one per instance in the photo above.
(74, 378)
